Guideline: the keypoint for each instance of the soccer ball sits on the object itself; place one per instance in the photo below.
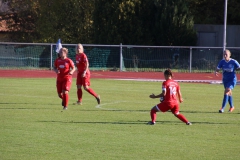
(161, 99)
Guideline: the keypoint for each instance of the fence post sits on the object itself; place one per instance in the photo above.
(121, 68)
(51, 57)
(190, 60)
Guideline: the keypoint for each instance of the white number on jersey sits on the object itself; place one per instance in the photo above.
(172, 90)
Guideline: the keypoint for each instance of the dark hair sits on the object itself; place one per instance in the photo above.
(168, 72)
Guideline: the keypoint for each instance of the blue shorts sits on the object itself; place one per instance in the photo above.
(230, 85)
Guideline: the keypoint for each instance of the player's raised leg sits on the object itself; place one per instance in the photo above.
(91, 91)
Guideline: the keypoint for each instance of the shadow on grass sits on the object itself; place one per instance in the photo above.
(19, 103)
(134, 122)
(69, 110)
(116, 110)
(23, 108)
(10, 103)
(97, 110)
(137, 122)
(27, 104)
(207, 112)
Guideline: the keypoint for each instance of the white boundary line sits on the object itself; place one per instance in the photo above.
(161, 80)
(100, 105)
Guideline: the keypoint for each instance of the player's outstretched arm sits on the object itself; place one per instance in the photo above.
(158, 96)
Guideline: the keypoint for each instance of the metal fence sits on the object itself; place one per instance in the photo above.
(116, 57)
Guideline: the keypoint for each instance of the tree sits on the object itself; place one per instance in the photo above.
(233, 12)
(174, 24)
(48, 20)
(117, 21)
(69, 20)
(207, 12)
(143, 22)
(20, 18)
(212, 12)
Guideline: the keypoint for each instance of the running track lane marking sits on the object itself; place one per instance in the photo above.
(178, 80)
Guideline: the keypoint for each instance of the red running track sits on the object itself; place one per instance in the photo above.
(155, 76)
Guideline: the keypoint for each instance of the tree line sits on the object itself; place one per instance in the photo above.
(135, 22)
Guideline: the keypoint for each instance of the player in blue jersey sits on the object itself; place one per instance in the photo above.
(228, 66)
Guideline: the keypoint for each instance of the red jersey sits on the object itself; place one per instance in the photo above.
(171, 87)
(81, 62)
(63, 66)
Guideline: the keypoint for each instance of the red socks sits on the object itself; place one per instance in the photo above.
(91, 92)
(65, 100)
(79, 94)
(182, 118)
(153, 114)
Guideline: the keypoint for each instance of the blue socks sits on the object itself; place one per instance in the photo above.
(230, 101)
(225, 100)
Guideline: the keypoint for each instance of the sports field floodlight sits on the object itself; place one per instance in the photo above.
(225, 26)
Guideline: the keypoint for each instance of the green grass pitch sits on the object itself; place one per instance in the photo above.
(34, 126)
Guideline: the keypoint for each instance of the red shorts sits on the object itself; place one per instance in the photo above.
(165, 106)
(64, 84)
(83, 81)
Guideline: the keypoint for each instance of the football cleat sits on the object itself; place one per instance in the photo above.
(189, 123)
(151, 123)
(221, 110)
(231, 109)
(78, 103)
(98, 99)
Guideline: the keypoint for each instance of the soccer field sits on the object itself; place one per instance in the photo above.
(34, 126)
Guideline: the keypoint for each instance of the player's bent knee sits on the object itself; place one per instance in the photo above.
(176, 114)
(155, 108)
(65, 92)
(86, 88)
(228, 91)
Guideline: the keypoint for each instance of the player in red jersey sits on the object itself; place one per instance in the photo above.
(64, 67)
(171, 94)
(83, 76)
